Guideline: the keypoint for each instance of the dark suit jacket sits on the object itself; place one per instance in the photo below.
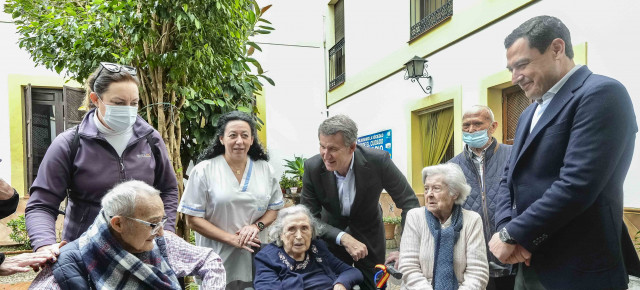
(9, 206)
(561, 197)
(374, 171)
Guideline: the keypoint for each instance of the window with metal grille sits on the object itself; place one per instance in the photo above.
(514, 101)
(48, 113)
(336, 53)
(426, 14)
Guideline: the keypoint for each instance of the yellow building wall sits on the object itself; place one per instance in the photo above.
(262, 114)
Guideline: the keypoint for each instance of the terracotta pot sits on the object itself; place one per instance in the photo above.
(389, 231)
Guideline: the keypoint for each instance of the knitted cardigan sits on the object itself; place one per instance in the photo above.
(469, 254)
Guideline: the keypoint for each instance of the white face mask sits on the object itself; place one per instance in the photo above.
(119, 118)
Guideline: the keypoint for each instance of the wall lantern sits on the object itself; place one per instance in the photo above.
(416, 68)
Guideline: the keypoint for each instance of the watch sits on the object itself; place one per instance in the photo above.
(260, 226)
(505, 237)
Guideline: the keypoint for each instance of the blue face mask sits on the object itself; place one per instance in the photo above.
(476, 139)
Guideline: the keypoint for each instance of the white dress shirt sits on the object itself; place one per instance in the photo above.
(548, 96)
(346, 191)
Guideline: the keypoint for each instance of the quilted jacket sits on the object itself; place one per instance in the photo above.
(484, 203)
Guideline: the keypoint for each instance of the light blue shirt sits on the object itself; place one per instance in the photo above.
(543, 102)
(346, 192)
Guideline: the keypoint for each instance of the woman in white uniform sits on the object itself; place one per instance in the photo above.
(231, 196)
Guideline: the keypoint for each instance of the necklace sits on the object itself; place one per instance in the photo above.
(237, 171)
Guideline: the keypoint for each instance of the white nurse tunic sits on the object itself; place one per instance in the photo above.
(213, 193)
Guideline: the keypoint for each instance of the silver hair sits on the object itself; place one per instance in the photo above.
(479, 108)
(275, 230)
(453, 178)
(121, 200)
(340, 124)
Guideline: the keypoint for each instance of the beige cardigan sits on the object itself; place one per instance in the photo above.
(469, 255)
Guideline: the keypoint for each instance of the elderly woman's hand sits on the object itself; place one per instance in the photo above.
(248, 233)
(236, 241)
(339, 287)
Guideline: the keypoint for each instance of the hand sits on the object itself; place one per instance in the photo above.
(234, 240)
(6, 191)
(339, 286)
(25, 262)
(355, 248)
(54, 249)
(500, 249)
(394, 257)
(248, 233)
(520, 254)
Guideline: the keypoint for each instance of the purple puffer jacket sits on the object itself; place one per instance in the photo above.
(96, 169)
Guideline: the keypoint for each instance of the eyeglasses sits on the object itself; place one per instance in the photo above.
(154, 227)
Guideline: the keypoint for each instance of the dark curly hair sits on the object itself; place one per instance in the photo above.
(541, 31)
(256, 152)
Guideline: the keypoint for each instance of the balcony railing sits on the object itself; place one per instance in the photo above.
(336, 64)
(425, 24)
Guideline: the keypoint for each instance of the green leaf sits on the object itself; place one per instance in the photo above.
(254, 45)
(244, 109)
(208, 101)
(268, 79)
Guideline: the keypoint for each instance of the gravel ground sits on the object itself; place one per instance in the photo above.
(393, 284)
(16, 278)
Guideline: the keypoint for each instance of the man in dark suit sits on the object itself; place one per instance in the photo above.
(342, 187)
(561, 200)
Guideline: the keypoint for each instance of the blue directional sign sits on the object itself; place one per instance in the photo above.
(380, 140)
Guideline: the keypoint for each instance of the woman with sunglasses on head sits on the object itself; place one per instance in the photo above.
(111, 145)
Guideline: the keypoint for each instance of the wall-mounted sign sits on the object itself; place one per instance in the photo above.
(380, 140)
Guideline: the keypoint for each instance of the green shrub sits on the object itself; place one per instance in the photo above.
(392, 220)
(19, 232)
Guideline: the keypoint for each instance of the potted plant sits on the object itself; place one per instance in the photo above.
(295, 185)
(390, 223)
(295, 166)
(284, 183)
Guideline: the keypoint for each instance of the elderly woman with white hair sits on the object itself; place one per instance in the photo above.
(442, 244)
(126, 247)
(297, 259)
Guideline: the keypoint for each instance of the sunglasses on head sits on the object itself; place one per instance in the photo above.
(115, 68)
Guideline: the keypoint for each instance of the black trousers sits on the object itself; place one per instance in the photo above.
(501, 283)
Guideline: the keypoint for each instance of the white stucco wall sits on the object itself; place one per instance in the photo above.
(293, 56)
(13, 60)
(610, 29)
